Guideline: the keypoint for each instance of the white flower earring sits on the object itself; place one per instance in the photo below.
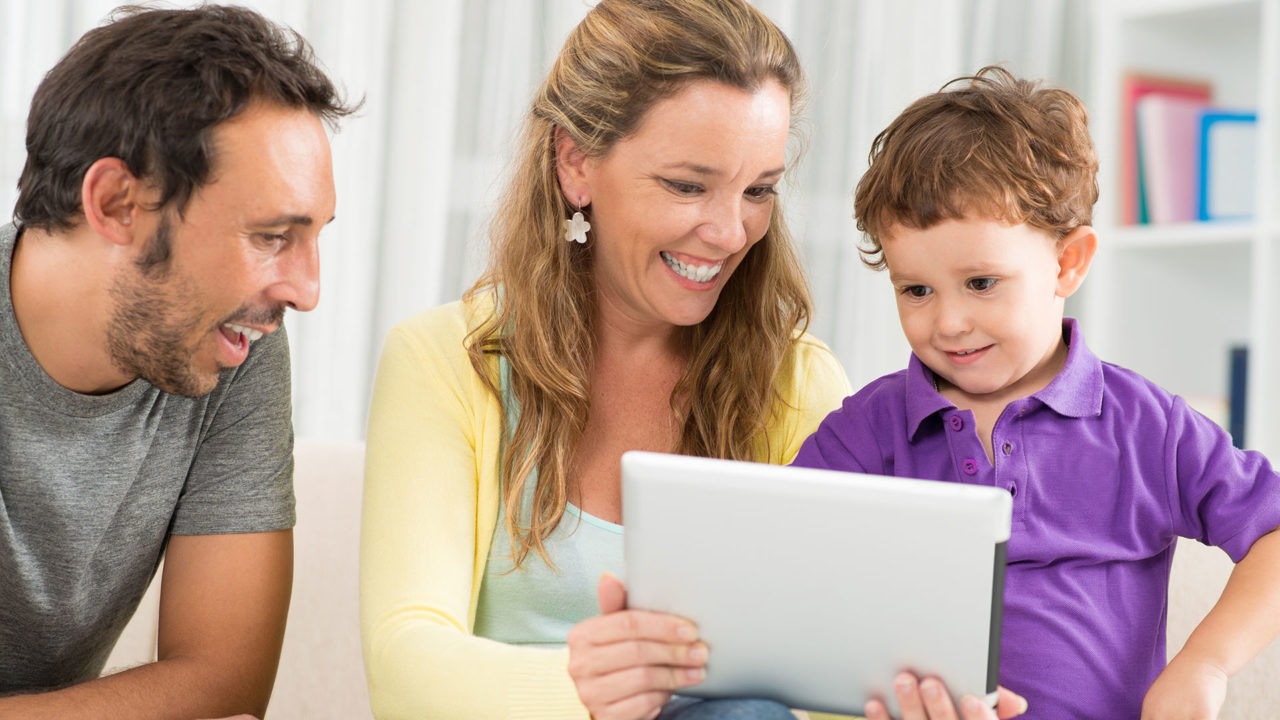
(576, 227)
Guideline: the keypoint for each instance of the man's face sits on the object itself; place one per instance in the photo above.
(245, 248)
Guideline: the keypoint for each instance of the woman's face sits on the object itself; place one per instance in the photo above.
(676, 205)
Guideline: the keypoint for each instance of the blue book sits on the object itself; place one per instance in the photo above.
(1228, 164)
(1237, 380)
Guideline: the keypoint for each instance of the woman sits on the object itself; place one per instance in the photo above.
(643, 294)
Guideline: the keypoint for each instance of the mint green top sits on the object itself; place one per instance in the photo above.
(537, 605)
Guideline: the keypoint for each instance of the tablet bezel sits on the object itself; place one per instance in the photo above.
(869, 575)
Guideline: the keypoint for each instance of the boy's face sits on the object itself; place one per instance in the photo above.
(981, 304)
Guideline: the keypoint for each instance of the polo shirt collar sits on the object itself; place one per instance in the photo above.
(1075, 392)
(1077, 389)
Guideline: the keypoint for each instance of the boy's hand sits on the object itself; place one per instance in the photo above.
(1186, 688)
(927, 699)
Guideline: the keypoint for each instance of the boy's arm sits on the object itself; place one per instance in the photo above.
(1245, 620)
(223, 604)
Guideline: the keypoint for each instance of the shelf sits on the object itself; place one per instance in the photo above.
(1175, 234)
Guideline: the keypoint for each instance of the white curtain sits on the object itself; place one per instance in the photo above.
(445, 84)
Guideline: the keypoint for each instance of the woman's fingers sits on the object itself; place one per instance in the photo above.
(627, 625)
(620, 656)
(645, 705)
(611, 594)
(627, 693)
(626, 663)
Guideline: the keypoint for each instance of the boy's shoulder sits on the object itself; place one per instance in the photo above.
(886, 389)
(1125, 386)
(880, 405)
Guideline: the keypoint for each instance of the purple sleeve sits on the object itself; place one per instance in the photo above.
(1223, 496)
(843, 441)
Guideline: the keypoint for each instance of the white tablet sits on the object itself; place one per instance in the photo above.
(816, 587)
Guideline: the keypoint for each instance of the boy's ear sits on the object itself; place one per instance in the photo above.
(1075, 255)
(571, 170)
(111, 198)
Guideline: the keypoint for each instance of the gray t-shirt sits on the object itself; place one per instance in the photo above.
(91, 486)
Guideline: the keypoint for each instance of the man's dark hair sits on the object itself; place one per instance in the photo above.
(148, 88)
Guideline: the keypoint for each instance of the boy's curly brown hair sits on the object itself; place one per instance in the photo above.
(990, 145)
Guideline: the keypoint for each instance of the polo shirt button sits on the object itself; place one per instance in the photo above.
(1008, 448)
(970, 466)
(956, 423)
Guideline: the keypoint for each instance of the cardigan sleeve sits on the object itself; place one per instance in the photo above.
(810, 385)
(432, 455)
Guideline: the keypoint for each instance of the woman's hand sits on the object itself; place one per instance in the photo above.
(1186, 689)
(928, 699)
(626, 663)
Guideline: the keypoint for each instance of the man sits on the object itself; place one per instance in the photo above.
(177, 178)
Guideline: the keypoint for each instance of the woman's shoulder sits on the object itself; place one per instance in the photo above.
(449, 323)
(812, 363)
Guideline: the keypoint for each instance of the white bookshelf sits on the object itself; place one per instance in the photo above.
(1170, 300)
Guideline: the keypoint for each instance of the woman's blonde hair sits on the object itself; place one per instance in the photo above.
(622, 58)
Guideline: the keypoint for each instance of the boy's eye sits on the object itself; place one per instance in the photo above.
(916, 291)
(681, 188)
(980, 284)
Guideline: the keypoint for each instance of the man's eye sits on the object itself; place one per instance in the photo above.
(981, 284)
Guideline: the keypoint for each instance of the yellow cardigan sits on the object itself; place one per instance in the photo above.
(430, 508)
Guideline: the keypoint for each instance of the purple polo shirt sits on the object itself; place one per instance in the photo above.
(1106, 470)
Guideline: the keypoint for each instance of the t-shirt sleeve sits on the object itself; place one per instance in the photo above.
(1223, 496)
(241, 477)
(844, 441)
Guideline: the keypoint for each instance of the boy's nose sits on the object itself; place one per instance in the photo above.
(952, 319)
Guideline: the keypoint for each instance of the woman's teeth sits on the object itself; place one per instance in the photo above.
(249, 333)
(696, 273)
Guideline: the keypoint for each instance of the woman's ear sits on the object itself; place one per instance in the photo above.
(1075, 255)
(571, 170)
(111, 197)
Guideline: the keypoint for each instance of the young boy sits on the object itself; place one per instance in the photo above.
(978, 201)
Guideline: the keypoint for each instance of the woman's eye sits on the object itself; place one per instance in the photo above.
(981, 284)
(916, 291)
(682, 188)
(761, 192)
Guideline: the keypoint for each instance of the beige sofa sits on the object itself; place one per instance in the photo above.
(321, 674)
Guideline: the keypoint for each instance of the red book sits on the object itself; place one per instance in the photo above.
(1133, 86)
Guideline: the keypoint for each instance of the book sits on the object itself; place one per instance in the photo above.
(1237, 393)
(1168, 137)
(1134, 86)
(1228, 164)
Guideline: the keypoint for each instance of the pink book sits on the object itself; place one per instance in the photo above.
(1168, 130)
(1133, 87)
